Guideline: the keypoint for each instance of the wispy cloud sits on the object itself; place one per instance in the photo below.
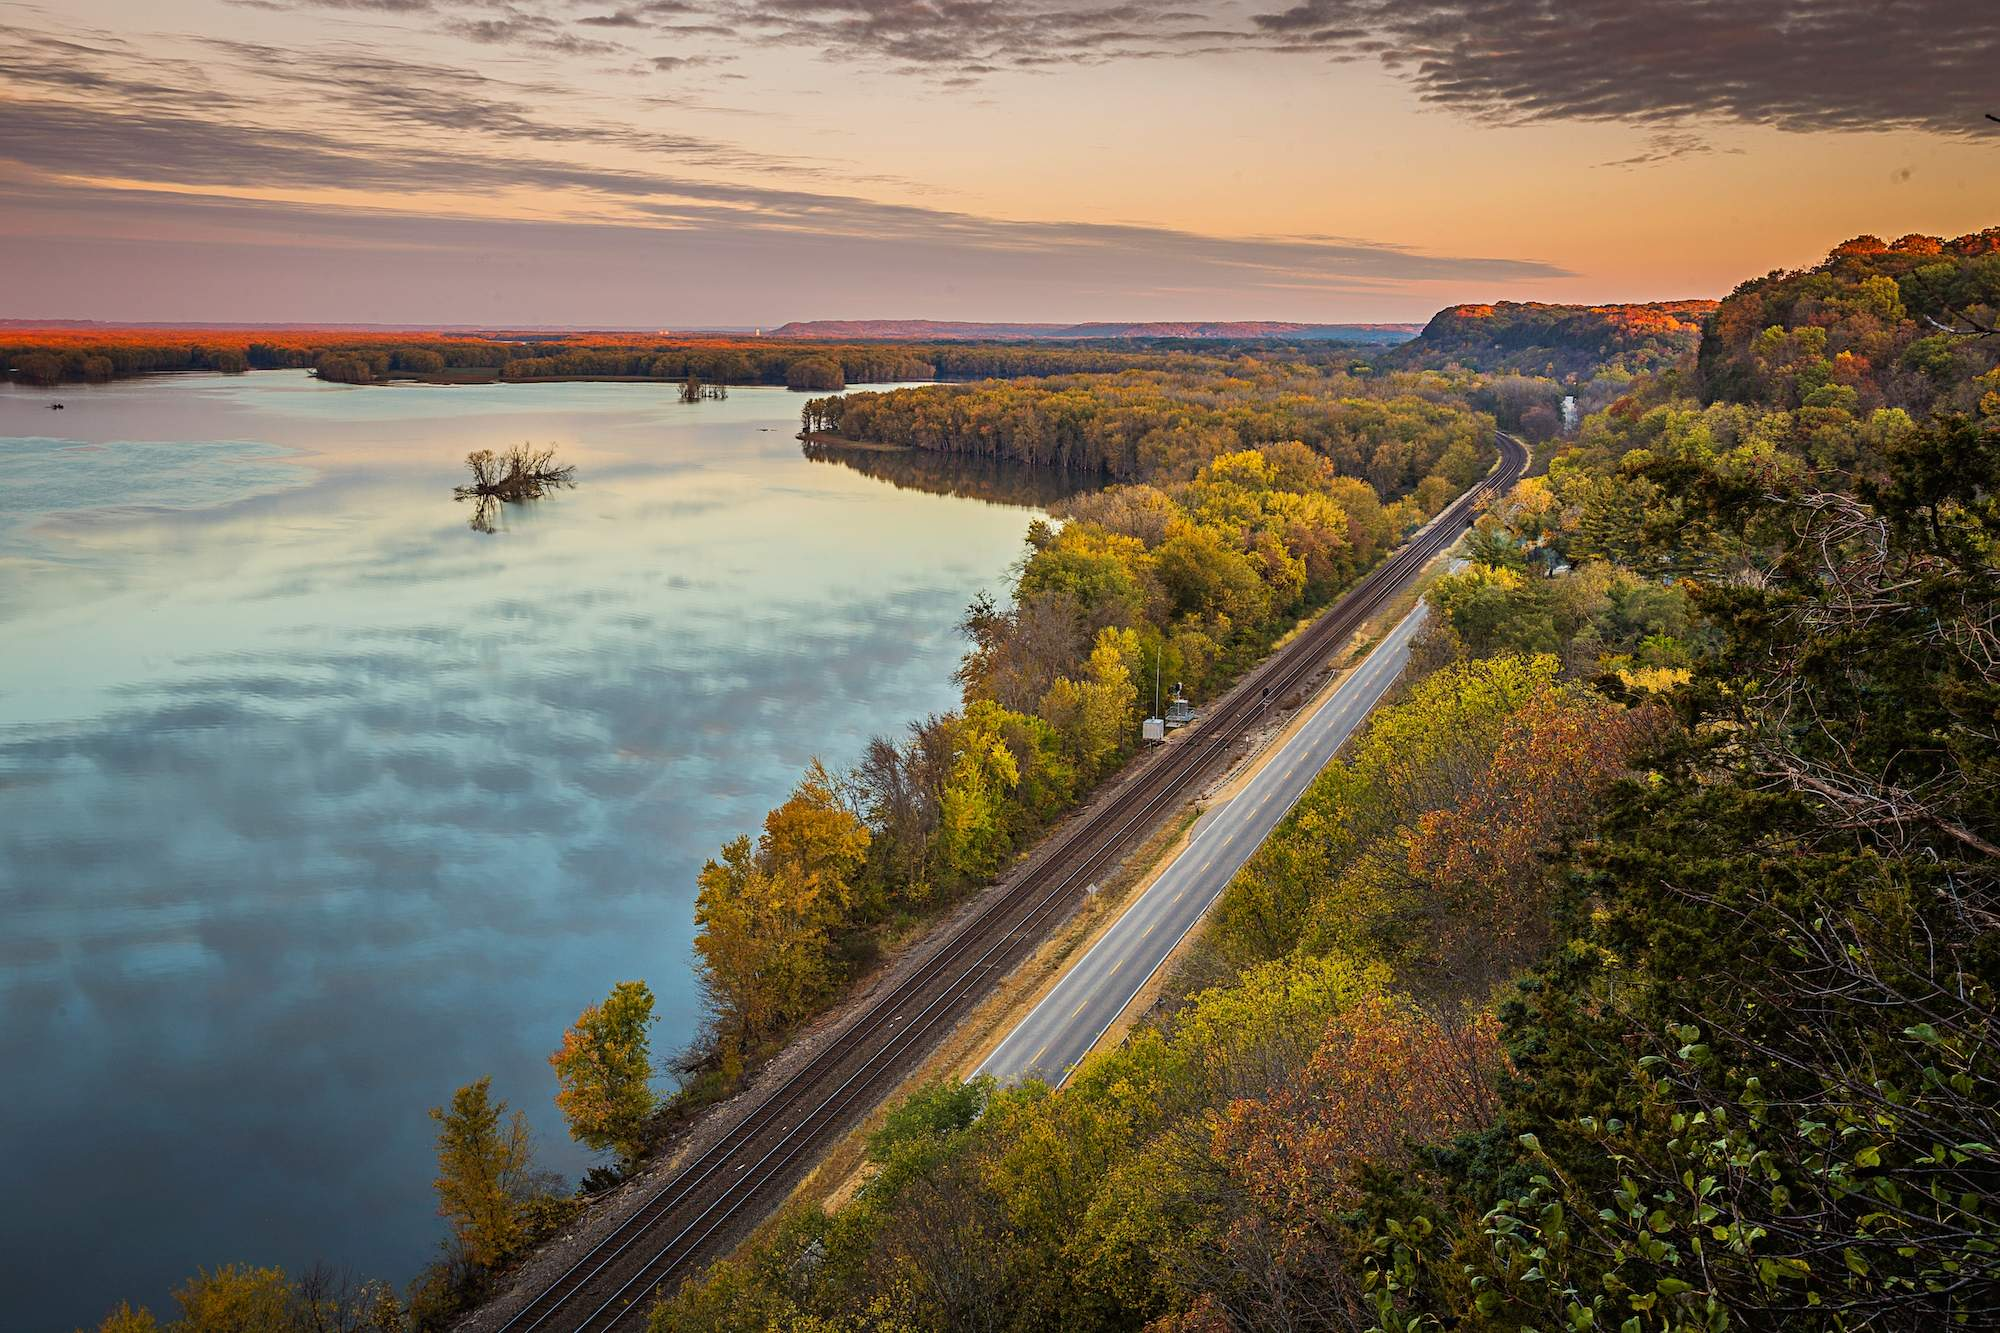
(1668, 146)
(188, 153)
(702, 253)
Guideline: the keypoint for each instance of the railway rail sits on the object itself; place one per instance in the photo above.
(756, 1163)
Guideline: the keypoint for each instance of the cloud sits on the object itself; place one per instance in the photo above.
(532, 32)
(127, 151)
(1793, 64)
(487, 22)
(1668, 146)
(959, 37)
(380, 100)
(111, 253)
(411, 128)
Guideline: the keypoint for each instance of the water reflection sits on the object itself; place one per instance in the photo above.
(315, 805)
(959, 475)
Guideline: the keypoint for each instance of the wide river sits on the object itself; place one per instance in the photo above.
(316, 803)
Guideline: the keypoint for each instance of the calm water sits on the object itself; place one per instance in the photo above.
(315, 804)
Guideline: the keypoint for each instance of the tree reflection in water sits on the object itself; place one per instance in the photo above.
(967, 478)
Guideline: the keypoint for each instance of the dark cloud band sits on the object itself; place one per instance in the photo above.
(1795, 64)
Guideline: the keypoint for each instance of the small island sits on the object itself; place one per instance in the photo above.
(515, 476)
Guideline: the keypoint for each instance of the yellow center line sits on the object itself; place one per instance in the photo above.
(1036, 1058)
(1079, 1009)
(1115, 966)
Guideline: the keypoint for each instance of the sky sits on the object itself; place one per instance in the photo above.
(690, 163)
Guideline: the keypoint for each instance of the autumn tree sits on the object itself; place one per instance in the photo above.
(605, 1072)
(43, 368)
(765, 912)
(1478, 867)
(485, 1165)
(1387, 1081)
(125, 1319)
(1095, 716)
(815, 372)
(235, 1299)
(972, 834)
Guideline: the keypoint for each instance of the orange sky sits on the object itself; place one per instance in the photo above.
(672, 163)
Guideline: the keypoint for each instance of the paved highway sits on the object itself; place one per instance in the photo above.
(1087, 1001)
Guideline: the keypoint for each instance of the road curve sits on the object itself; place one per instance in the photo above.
(714, 1197)
(1071, 1018)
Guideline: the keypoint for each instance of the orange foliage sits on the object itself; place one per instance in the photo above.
(1387, 1077)
(1483, 858)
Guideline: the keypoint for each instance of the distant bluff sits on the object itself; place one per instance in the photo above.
(1562, 342)
(944, 329)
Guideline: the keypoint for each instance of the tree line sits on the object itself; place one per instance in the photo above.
(54, 355)
(1390, 432)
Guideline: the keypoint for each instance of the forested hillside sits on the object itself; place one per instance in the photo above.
(1900, 324)
(1230, 330)
(1635, 970)
(1390, 432)
(1560, 342)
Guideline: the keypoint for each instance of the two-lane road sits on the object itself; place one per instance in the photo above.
(1068, 1022)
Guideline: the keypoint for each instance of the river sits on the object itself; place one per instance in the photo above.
(316, 802)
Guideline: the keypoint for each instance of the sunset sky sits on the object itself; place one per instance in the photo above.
(679, 163)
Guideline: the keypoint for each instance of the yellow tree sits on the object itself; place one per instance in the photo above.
(813, 845)
(972, 833)
(604, 1071)
(759, 959)
(127, 1320)
(484, 1165)
(235, 1299)
(1095, 717)
(765, 915)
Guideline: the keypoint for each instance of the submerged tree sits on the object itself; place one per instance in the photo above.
(519, 474)
(694, 391)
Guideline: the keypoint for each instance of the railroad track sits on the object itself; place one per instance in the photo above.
(752, 1166)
